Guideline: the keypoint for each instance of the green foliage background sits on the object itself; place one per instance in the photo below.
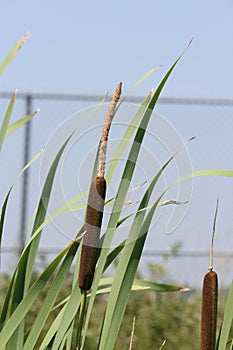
(171, 316)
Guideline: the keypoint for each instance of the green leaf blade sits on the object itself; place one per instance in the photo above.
(19, 313)
(227, 321)
(19, 123)
(50, 299)
(6, 120)
(13, 52)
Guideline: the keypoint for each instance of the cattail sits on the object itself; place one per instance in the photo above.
(90, 247)
(95, 205)
(209, 302)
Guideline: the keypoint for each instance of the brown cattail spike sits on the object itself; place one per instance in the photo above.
(209, 301)
(209, 311)
(90, 247)
(95, 205)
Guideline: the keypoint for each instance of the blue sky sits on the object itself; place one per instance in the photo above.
(79, 46)
(88, 47)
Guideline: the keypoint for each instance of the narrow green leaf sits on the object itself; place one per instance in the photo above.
(159, 287)
(70, 312)
(127, 137)
(50, 299)
(3, 211)
(122, 284)
(142, 79)
(125, 261)
(227, 321)
(164, 80)
(116, 251)
(19, 123)
(22, 309)
(5, 307)
(69, 337)
(113, 254)
(76, 271)
(27, 259)
(128, 263)
(210, 172)
(2, 214)
(105, 285)
(13, 52)
(52, 330)
(72, 303)
(31, 162)
(6, 120)
(162, 345)
(82, 312)
(41, 213)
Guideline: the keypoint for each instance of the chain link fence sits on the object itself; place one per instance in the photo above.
(209, 120)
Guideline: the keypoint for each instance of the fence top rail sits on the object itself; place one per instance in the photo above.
(200, 101)
(226, 254)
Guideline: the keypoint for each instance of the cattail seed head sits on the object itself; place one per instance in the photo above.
(90, 247)
(209, 311)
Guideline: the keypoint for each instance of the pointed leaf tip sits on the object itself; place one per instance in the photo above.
(157, 67)
(184, 290)
(190, 42)
(162, 345)
(27, 34)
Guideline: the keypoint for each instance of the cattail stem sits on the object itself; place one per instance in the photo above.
(209, 301)
(95, 205)
(82, 313)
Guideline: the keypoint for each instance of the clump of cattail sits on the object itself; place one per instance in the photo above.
(209, 301)
(95, 205)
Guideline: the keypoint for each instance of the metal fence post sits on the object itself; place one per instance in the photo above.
(26, 158)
